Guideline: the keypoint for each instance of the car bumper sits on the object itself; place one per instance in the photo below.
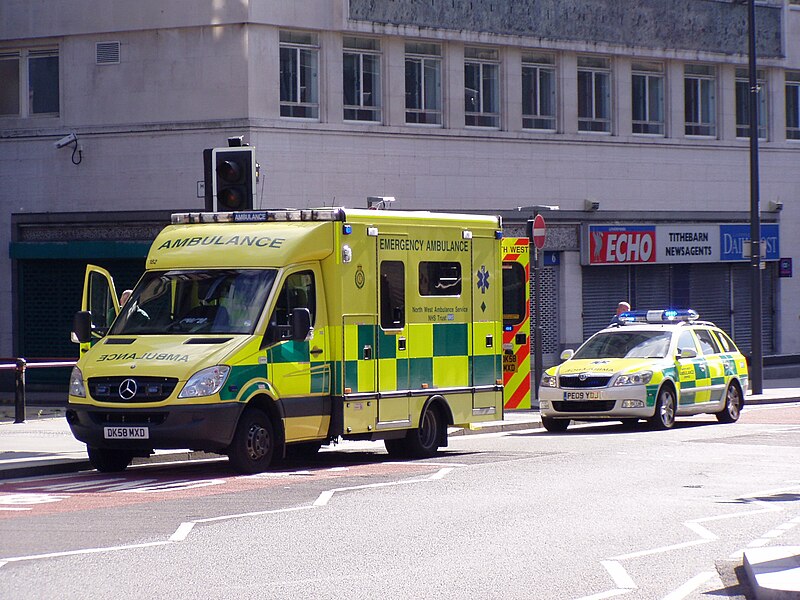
(624, 402)
(207, 427)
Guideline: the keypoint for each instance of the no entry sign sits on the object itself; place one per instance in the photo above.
(539, 232)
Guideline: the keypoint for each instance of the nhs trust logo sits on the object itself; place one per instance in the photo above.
(733, 237)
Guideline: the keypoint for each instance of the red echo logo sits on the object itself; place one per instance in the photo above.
(622, 245)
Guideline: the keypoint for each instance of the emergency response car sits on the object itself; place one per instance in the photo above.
(253, 334)
(652, 365)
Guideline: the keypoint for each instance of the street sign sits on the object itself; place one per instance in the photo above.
(539, 232)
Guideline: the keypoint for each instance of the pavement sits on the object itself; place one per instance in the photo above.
(43, 445)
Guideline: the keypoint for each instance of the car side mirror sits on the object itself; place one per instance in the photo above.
(301, 324)
(82, 327)
(567, 354)
(687, 353)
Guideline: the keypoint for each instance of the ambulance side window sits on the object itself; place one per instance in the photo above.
(726, 342)
(686, 341)
(515, 309)
(298, 291)
(393, 294)
(707, 342)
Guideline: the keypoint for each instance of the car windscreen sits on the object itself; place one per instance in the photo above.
(195, 302)
(625, 344)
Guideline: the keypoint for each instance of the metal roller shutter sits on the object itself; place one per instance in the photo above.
(741, 330)
(603, 288)
(710, 293)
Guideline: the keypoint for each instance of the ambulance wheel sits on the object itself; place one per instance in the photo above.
(109, 461)
(423, 442)
(664, 417)
(555, 425)
(253, 443)
(733, 405)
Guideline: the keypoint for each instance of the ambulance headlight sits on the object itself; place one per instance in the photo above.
(76, 387)
(206, 382)
(548, 381)
(640, 378)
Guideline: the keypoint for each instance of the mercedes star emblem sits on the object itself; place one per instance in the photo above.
(127, 389)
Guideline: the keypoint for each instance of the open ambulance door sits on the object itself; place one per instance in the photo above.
(99, 307)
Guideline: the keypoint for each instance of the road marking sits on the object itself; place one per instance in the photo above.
(608, 594)
(619, 575)
(690, 586)
(5, 561)
(182, 531)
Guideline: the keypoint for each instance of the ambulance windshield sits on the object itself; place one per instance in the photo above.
(227, 301)
(625, 344)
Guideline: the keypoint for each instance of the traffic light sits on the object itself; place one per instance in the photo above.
(230, 178)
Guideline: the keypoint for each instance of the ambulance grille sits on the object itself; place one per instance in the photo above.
(128, 418)
(586, 407)
(590, 381)
(131, 389)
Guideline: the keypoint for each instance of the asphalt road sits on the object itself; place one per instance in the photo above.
(597, 512)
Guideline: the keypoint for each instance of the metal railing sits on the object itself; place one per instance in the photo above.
(20, 365)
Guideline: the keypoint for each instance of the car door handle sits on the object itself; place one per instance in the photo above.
(315, 351)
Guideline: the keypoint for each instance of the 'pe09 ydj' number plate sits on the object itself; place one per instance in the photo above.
(587, 395)
(126, 433)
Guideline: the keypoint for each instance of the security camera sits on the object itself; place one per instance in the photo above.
(67, 139)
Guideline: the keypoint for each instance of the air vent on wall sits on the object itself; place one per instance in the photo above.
(107, 53)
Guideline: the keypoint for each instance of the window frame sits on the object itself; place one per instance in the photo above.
(428, 270)
(650, 72)
(26, 98)
(426, 115)
(538, 66)
(363, 50)
(599, 70)
(294, 42)
(392, 294)
(692, 74)
(792, 88)
(484, 60)
(742, 85)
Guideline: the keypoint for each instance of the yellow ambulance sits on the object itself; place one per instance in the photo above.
(264, 333)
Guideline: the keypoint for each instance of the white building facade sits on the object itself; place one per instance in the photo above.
(629, 116)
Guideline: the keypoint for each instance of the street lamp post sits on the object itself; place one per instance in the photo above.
(756, 357)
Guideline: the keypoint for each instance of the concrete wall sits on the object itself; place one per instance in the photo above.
(707, 25)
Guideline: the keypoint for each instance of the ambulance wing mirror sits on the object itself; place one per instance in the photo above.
(567, 354)
(687, 353)
(301, 324)
(82, 327)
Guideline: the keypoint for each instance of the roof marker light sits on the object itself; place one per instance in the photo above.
(347, 229)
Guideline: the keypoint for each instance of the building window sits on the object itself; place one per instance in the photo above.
(538, 91)
(743, 103)
(423, 83)
(700, 99)
(299, 57)
(361, 79)
(594, 94)
(793, 105)
(647, 97)
(34, 72)
(481, 87)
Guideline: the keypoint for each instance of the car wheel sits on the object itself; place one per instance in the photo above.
(555, 425)
(666, 405)
(733, 405)
(109, 461)
(253, 443)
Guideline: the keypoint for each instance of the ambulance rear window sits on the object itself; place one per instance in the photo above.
(439, 278)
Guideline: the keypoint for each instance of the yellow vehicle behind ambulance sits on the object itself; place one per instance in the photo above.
(258, 333)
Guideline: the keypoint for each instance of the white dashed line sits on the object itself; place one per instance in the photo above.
(690, 586)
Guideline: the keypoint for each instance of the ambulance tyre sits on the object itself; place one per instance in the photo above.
(733, 405)
(423, 442)
(108, 461)
(253, 443)
(555, 425)
(419, 443)
(664, 417)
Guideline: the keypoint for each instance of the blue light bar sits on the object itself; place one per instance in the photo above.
(670, 315)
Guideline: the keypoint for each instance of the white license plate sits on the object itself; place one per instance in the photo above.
(126, 433)
(585, 395)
